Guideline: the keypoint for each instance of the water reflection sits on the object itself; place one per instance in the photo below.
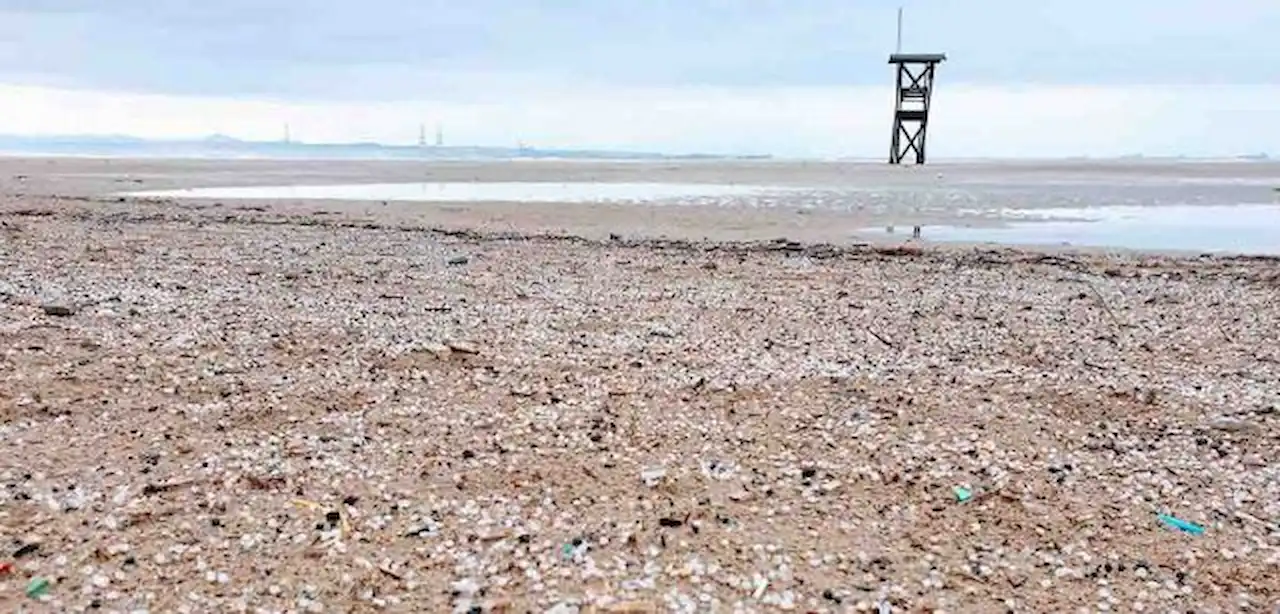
(521, 192)
(1250, 228)
(1135, 216)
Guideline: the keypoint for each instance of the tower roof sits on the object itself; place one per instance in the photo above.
(917, 58)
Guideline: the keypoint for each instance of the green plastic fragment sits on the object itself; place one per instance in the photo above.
(37, 587)
(1181, 525)
(962, 494)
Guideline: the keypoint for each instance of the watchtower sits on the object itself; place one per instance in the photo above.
(911, 113)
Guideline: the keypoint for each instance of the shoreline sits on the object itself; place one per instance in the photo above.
(103, 179)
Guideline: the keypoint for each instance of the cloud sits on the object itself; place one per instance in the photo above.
(414, 48)
(803, 77)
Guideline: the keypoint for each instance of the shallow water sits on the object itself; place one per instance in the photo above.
(1156, 213)
(1251, 228)
(514, 191)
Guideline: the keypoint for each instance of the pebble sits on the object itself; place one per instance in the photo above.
(1230, 424)
(652, 476)
(59, 309)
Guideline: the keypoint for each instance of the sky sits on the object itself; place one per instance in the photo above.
(788, 77)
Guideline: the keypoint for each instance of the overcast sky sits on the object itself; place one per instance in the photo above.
(797, 77)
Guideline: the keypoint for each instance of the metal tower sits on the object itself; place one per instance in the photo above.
(911, 113)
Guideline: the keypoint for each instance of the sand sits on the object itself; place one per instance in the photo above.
(219, 408)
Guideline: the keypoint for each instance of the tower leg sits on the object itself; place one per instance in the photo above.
(895, 151)
(920, 146)
(895, 144)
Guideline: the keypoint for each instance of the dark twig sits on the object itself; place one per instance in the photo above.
(881, 338)
(1103, 302)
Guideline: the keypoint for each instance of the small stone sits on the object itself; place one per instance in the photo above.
(652, 476)
(463, 347)
(564, 607)
(1229, 424)
(662, 332)
(632, 607)
(466, 587)
(439, 350)
(59, 310)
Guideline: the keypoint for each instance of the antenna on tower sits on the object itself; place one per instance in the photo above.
(898, 48)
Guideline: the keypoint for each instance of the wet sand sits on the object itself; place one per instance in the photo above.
(249, 407)
(903, 196)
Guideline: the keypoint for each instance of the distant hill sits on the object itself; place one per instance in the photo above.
(222, 146)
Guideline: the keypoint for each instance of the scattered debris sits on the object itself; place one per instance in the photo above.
(59, 310)
(565, 607)
(762, 585)
(423, 531)
(812, 461)
(652, 476)
(154, 489)
(574, 550)
(464, 347)
(631, 607)
(37, 587)
(1255, 520)
(439, 350)
(719, 469)
(1231, 424)
(881, 338)
(1181, 525)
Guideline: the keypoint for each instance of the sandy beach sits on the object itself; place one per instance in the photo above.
(348, 406)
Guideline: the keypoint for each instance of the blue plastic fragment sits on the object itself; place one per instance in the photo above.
(1181, 525)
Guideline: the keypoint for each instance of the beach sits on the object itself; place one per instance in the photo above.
(331, 406)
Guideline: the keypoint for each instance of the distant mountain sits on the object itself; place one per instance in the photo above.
(223, 146)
